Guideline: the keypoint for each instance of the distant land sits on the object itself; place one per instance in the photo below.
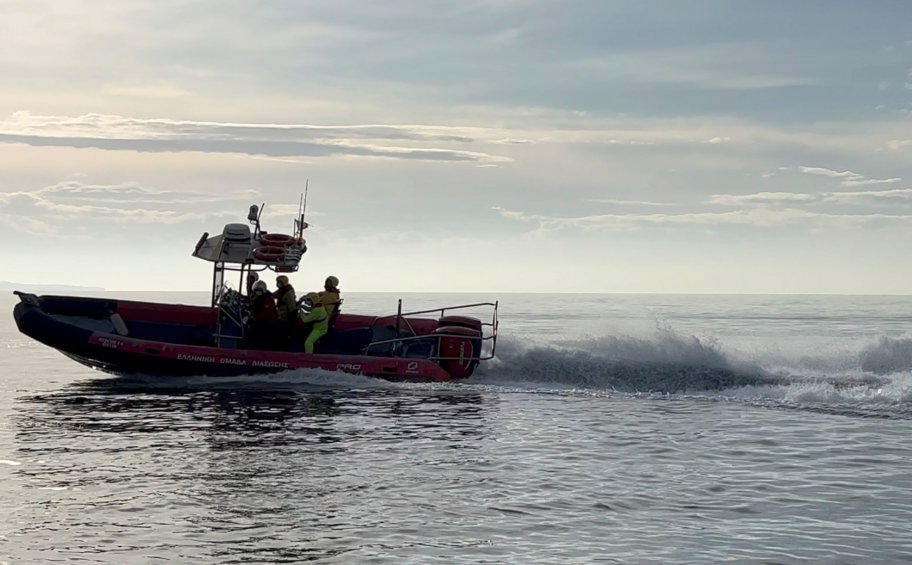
(6, 285)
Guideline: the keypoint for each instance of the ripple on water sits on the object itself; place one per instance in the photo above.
(455, 474)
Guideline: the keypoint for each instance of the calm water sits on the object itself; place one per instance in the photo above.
(615, 429)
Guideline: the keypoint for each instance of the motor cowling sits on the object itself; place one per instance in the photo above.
(458, 350)
(460, 321)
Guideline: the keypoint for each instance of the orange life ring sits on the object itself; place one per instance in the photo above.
(277, 240)
(269, 254)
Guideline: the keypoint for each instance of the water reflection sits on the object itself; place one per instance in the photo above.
(110, 406)
(243, 475)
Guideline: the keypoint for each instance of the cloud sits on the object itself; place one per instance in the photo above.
(479, 146)
(866, 182)
(828, 172)
(904, 194)
(760, 197)
(629, 202)
(874, 197)
(132, 194)
(75, 208)
(849, 178)
(759, 217)
(118, 133)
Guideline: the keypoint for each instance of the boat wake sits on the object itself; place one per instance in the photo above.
(874, 379)
(667, 363)
(887, 355)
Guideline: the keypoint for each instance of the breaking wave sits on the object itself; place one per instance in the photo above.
(887, 355)
(668, 363)
(875, 380)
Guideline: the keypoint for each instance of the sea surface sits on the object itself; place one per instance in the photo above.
(609, 429)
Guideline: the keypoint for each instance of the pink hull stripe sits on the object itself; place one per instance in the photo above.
(270, 361)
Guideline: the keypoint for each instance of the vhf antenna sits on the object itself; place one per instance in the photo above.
(300, 224)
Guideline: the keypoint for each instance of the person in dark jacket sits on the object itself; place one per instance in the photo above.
(286, 308)
(286, 303)
(264, 317)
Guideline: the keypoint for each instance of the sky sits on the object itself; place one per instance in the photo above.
(694, 146)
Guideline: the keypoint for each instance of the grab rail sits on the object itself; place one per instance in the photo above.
(488, 330)
(419, 338)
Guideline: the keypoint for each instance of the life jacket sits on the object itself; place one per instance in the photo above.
(330, 300)
(264, 307)
(285, 302)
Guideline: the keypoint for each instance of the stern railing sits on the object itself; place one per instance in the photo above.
(488, 337)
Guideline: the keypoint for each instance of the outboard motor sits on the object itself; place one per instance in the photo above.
(459, 345)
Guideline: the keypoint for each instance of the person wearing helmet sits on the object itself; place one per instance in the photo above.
(286, 308)
(314, 315)
(286, 303)
(329, 297)
(264, 316)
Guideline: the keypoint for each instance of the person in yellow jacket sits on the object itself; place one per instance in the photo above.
(314, 313)
(329, 297)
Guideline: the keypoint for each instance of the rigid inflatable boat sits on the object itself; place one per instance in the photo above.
(128, 337)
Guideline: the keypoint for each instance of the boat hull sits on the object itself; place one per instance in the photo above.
(127, 355)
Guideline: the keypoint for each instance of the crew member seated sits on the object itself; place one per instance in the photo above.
(314, 315)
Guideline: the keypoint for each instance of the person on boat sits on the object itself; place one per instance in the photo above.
(264, 317)
(286, 307)
(329, 297)
(314, 315)
(285, 299)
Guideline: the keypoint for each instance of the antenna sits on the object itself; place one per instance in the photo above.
(304, 199)
(300, 224)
